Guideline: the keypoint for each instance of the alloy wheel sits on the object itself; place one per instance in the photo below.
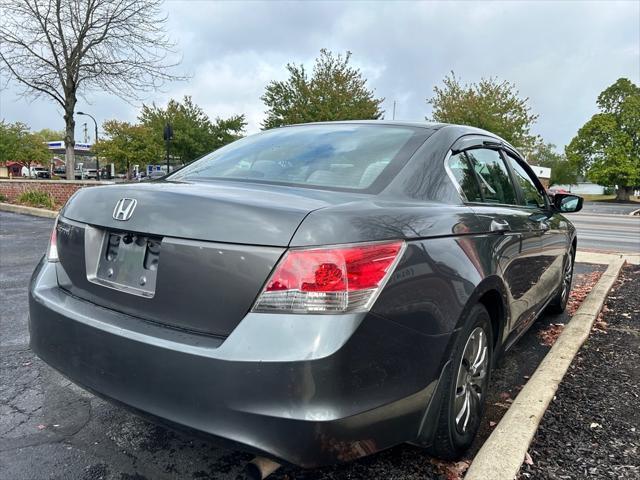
(471, 380)
(567, 277)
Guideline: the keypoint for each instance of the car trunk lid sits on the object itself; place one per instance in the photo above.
(191, 256)
(230, 213)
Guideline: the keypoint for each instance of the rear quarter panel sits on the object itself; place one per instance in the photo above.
(448, 264)
(439, 279)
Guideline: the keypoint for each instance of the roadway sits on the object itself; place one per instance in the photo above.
(607, 233)
(610, 208)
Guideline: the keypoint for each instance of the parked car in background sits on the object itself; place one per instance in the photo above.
(36, 172)
(317, 292)
(90, 173)
(154, 175)
(554, 190)
(79, 173)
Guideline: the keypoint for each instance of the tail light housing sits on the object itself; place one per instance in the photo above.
(52, 249)
(334, 279)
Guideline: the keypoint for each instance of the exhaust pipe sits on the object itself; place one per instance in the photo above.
(260, 468)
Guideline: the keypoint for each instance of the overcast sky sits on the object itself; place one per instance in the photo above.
(559, 54)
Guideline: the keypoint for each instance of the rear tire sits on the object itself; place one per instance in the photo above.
(465, 388)
(560, 300)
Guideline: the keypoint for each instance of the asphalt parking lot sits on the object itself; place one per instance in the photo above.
(51, 429)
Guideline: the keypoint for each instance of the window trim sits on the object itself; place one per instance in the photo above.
(529, 171)
(473, 141)
(452, 177)
(492, 144)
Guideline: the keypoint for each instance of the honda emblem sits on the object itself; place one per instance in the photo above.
(124, 209)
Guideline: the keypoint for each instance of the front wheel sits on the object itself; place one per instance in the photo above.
(465, 389)
(559, 302)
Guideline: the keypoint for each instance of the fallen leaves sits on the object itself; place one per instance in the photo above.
(451, 470)
(581, 289)
(549, 335)
(527, 459)
(600, 325)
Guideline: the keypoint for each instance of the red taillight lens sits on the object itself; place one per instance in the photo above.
(52, 251)
(331, 280)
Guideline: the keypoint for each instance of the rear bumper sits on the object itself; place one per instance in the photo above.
(354, 391)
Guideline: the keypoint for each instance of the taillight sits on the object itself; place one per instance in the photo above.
(52, 251)
(334, 279)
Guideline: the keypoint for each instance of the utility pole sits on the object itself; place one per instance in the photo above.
(95, 141)
(84, 126)
(394, 110)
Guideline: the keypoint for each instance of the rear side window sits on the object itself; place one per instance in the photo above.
(531, 195)
(493, 176)
(341, 156)
(461, 170)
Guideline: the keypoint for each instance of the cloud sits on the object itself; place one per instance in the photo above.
(559, 54)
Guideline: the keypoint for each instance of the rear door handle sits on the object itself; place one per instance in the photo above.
(500, 225)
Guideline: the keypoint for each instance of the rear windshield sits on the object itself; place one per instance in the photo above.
(340, 156)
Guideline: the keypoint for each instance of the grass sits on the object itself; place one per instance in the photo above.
(36, 198)
(606, 198)
(3, 198)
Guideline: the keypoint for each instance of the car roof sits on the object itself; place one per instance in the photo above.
(427, 125)
(463, 129)
(434, 126)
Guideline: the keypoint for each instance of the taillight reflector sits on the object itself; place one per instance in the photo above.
(52, 250)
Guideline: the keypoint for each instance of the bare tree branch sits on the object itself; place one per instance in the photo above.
(64, 48)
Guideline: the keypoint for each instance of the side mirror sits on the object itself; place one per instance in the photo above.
(567, 203)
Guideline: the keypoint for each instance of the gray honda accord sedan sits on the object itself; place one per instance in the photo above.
(313, 293)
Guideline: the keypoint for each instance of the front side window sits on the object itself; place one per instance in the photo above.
(343, 156)
(531, 194)
(495, 182)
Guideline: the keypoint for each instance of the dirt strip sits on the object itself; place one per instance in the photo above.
(504, 451)
(592, 427)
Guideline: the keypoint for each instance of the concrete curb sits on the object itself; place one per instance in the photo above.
(37, 212)
(583, 256)
(501, 456)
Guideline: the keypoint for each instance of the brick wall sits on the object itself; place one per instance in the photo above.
(60, 190)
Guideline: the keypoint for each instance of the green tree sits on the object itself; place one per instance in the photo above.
(9, 134)
(194, 134)
(50, 135)
(19, 144)
(607, 147)
(127, 144)
(546, 155)
(489, 104)
(335, 91)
